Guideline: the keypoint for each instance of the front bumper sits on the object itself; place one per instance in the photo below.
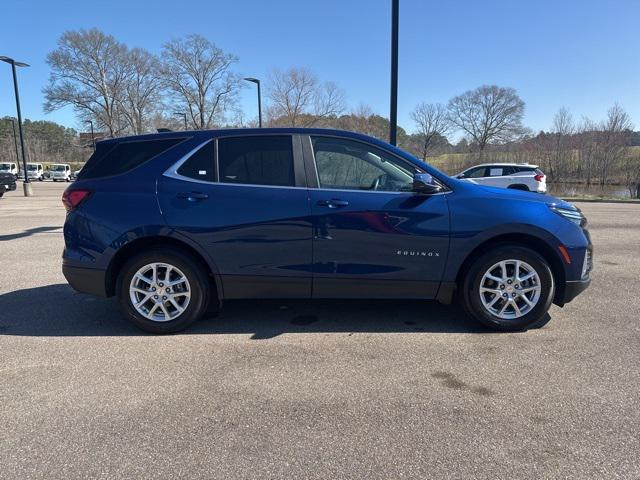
(572, 289)
(85, 280)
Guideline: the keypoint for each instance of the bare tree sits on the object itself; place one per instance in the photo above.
(615, 131)
(88, 72)
(433, 123)
(559, 157)
(488, 114)
(587, 146)
(631, 169)
(297, 98)
(142, 90)
(199, 79)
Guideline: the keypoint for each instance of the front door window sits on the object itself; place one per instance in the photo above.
(349, 165)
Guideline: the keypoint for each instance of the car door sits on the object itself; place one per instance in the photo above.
(243, 199)
(493, 176)
(373, 237)
(507, 177)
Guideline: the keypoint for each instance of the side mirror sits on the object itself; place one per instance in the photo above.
(424, 183)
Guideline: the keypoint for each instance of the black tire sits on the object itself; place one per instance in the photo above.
(198, 281)
(524, 188)
(471, 288)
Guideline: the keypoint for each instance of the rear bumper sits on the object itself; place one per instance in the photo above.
(572, 289)
(85, 280)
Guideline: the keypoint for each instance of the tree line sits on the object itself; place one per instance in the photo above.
(125, 90)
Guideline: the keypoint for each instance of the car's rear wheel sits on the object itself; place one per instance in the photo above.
(163, 290)
(509, 288)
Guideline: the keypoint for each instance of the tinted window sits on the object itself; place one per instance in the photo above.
(113, 159)
(509, 170)
(345, 164)
(476, 173)
(201, 164)
(258, 160)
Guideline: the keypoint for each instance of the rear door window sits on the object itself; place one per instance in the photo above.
(113, 159)
(256, 160)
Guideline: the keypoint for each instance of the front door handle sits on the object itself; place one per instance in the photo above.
(333, 203)
(193, 196)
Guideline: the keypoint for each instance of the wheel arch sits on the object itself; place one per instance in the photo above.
(536, 244)
(519, 186)
(154, 241)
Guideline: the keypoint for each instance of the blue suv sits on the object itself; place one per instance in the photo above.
(175, 223)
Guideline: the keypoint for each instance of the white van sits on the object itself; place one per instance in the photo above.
(9, 167)
(35, 171)
(60, 171)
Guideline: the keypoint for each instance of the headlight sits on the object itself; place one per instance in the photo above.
(573, 215)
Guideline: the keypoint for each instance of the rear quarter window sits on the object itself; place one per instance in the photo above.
(200, 165)
(116, 158)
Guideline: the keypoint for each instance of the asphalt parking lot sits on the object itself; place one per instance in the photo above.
(313, 390)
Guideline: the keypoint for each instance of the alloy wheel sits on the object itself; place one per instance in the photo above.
(510, 289)
(160, 292)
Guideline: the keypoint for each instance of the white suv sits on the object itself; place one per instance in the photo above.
(520, 176)
(61, 172)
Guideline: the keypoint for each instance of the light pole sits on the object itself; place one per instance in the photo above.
(184, 116)
(26, 185)
(257, 82)
(93, 137)
(393, 114)
(15, 141)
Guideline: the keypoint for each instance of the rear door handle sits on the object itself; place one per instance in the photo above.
(193, 196)
(333, 203)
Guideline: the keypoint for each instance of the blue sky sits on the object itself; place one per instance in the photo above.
(584, 55)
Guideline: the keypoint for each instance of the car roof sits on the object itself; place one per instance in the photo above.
(244, 131)
(505, 164)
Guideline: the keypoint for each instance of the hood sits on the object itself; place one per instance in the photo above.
(7, 176)
(521, 195)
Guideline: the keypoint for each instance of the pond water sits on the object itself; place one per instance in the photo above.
(561, 189)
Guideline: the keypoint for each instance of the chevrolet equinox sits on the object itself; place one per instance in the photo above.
(175, 223)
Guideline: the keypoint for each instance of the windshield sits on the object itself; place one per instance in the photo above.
(32, 167)
(5, 166)
(58, 168)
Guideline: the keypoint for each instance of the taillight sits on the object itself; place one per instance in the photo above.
(72, 198)
(538, 178)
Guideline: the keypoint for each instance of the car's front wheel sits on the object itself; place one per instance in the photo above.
(163, 290)
(509, 288)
